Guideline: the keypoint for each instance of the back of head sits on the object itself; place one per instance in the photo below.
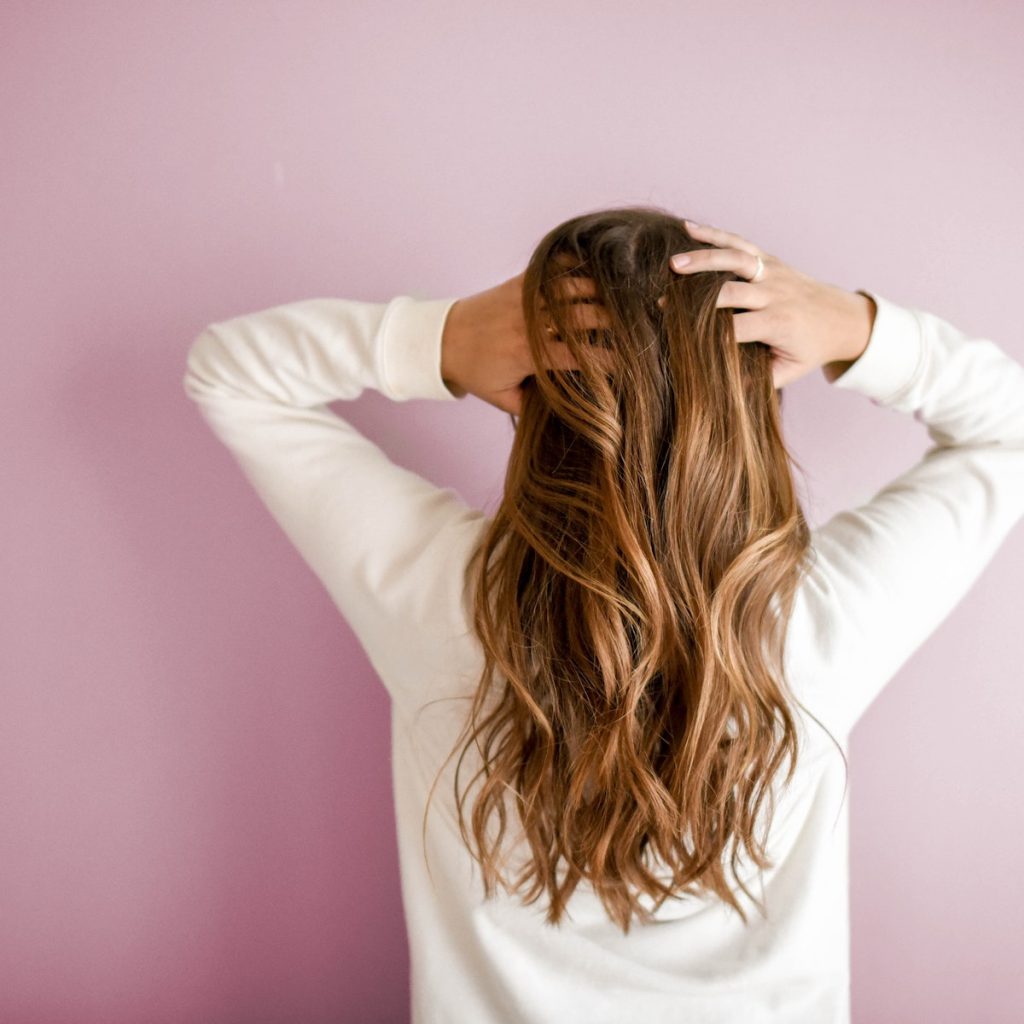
(632, 590)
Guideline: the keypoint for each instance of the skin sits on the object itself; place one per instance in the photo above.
(808, 323)
(484, 351)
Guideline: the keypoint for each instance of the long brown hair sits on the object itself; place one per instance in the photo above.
(631, 592)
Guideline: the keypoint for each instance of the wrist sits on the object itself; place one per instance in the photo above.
(451, 346)
(860, 322)
(853, 337)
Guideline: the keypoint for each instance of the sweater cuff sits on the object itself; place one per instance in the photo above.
(410, 349)
(893, 357)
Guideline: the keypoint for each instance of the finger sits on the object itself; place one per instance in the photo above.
(736, 260)
(557, 356)
(721, 238)
(574, 291)
(753, 326)
(584, 316)
(569, 288)
(590, 317)
(565, 259)
(741, 295)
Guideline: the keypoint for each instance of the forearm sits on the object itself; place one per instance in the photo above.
(855, 338)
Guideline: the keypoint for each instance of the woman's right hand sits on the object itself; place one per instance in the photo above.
(807, 323)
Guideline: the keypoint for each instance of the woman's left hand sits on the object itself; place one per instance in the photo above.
(484, 349)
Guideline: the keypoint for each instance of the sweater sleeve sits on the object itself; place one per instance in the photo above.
(388, 545)
(886, 573)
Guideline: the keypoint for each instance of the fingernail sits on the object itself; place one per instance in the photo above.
(679, 260)
(691, 224)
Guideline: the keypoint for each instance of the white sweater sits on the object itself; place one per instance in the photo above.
(390, 548)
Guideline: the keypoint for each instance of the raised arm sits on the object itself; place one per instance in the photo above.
(388, 545)
(887, 572)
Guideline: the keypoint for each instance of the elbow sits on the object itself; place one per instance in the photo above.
(201, 361)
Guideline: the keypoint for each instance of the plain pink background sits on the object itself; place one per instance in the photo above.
(196, 818)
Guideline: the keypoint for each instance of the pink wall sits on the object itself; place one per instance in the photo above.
(195, 807)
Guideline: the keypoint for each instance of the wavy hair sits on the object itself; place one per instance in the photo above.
(631, 592)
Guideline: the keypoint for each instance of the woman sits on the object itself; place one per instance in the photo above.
(645, 657)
